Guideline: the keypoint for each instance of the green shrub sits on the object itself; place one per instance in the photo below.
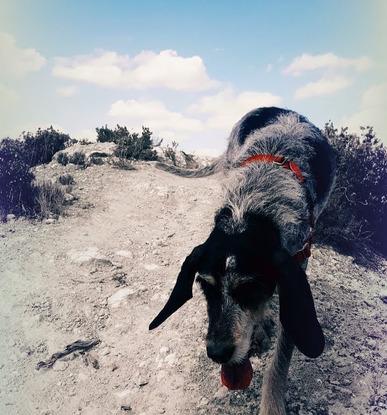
(356, 214)
(66, 179)
(78, 158)
(106, 135)
(97, 157)
(136, 147)
(132, 146)
(40, 147)
(62, 158)
(17, 194)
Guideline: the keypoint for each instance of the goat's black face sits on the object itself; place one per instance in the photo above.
(235, 302)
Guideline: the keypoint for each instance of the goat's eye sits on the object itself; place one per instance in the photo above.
(208, 285)
(249, 294)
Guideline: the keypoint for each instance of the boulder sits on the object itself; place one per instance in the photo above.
(94, 152)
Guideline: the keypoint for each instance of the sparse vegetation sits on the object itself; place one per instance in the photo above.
(131, 146)
(66, 179)
(97, 158)
(123, 164)
(190, 162)
(78, 158)
(356, 215)
(62, 158)
(170, 152)
(136, 147)
(84, 142)
(107, 135)
(17, 194)
(50, 199)
(39, 148)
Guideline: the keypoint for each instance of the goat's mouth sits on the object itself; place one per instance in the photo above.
(237, 375)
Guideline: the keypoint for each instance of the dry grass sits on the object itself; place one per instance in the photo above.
(50, 199)
(122, 164)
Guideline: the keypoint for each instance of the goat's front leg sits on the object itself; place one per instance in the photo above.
(275, 378)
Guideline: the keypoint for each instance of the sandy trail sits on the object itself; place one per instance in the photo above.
(105, 271)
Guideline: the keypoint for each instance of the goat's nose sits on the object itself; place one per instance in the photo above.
(220, 352)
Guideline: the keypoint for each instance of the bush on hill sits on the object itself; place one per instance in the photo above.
(356, 214)
(131, 146)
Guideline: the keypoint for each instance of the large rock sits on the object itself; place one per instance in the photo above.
(91, 151)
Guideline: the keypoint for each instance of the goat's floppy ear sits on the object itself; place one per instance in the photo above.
(182, 291)
(297, 312)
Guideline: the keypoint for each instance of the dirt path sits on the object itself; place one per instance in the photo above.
(105, 270)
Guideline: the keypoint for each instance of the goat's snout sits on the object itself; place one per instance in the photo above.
(220, 352)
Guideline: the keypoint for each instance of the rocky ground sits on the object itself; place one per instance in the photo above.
(105, 269)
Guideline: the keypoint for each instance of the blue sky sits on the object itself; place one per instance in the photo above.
(189, 70)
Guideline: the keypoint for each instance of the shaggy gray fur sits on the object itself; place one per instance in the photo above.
(202, 172)
(267, 188)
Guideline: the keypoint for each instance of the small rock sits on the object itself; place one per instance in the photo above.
(60, 366)
(150, 267)
(119, 296)
(126, 408)
(171, 359)
(10, 217)
(203, 402)
(126, 254)
(119, 278)
(221, 393)
(105, 351)
(164, 350)
(50, 221)
(86, 257)
(371, 343)
(123, 395)
(69, 198)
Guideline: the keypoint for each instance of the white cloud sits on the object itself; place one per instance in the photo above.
(209, 119)
(306, 62)
(208, 151)
(324, 86)
(67, 91)
(372, 112)
(155, 115)
(7, 95)
(17, 62)
(146, 70)
(225, 108)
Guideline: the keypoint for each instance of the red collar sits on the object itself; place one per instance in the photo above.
(304, 253)
(280, 160)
